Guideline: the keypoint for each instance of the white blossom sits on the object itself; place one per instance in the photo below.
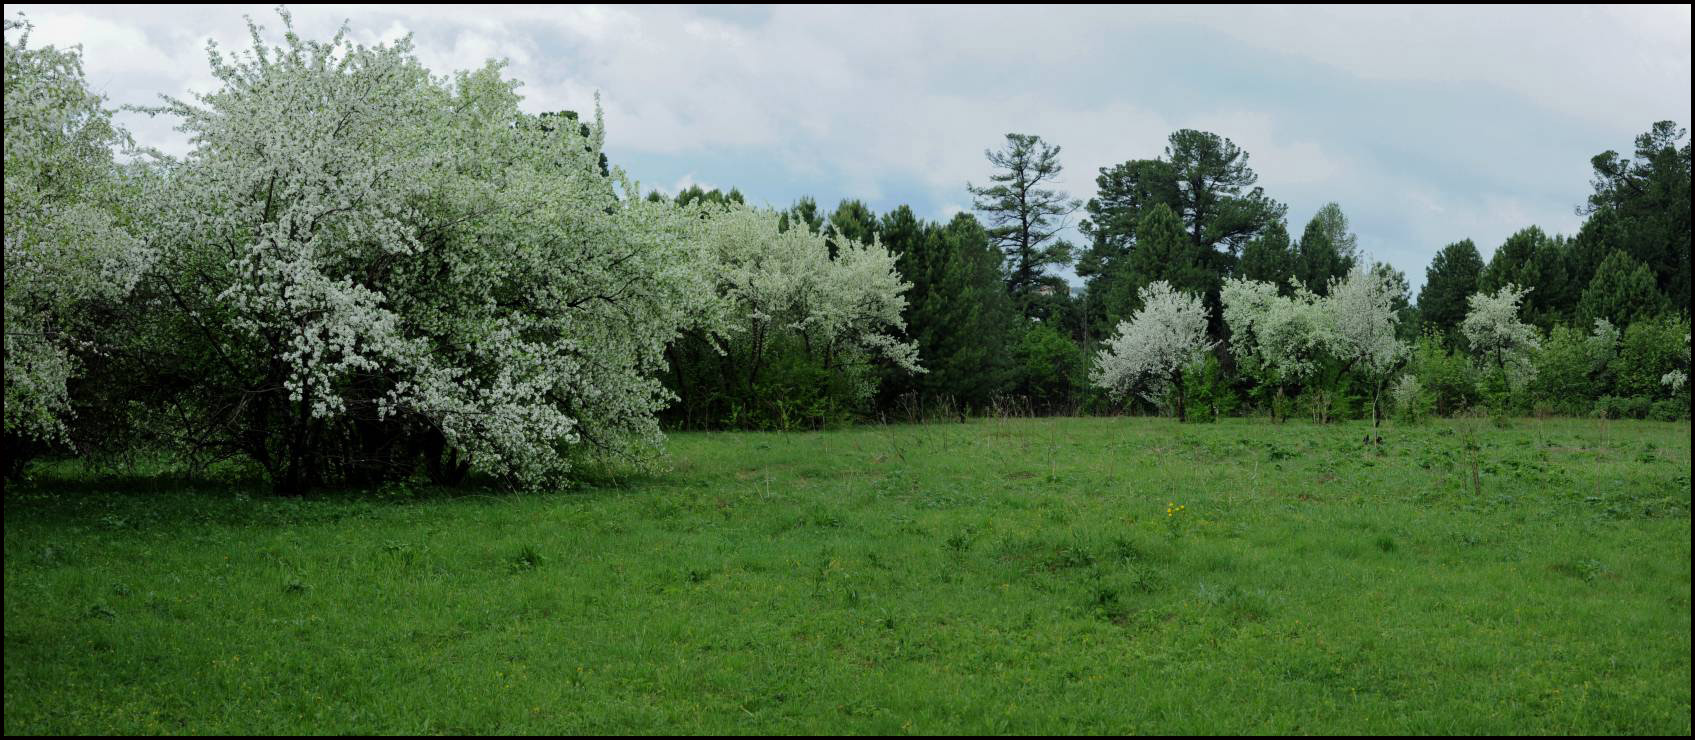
(1281, 339)
(361, 241)
(1497, 336)
(1360, 325)
(66, 248)
(1676, 378)
(1360, 328)
(1408, 393)
(1148, 352)
(846, 309)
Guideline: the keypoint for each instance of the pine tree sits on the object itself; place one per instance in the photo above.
(1622, 292)
(1269, 258)
(1025, 217)
(1451, 279)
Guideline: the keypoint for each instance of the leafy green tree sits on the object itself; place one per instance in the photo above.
(1025, 217)
(1648, 351)
(1449, 281)
(1571, 369)
(1447, 375)
(1622, 292)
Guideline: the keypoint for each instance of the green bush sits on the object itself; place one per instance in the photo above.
(1637, 407)
(1210, 393)
(1669, 409)
(1048, 367)
(1447, 376)
(1647, 352)
(1606, 407)
(1571, 369)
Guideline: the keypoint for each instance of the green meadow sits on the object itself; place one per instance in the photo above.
(1083, 575)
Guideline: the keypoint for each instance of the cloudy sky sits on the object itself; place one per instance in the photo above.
(1428, 125)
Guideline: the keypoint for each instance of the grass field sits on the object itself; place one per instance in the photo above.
(996, 576)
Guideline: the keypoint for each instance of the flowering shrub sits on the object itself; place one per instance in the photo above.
(361, 264)
(69, 255)
(1412, 402)
(794, 331)
(1279, 340)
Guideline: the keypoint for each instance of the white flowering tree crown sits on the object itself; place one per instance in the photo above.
(379, 258)
(68, 248)
(1360, 328)
(774, 284)
(1361, 319)
(1148, 352)
(1497, 337)
(1280, 339)
(1677, 377)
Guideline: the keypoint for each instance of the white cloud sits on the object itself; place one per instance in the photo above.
(684, 183)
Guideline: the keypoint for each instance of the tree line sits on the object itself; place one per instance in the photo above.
(996, 324)
(362, 272)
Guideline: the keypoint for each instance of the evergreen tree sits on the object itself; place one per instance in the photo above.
(1649, 199)
(1451, 279)
(1025, 217)
(965, 319)
(854, 220)
(1622, 292)
(696, 194)
(1205, 180)
(1221, 206)
(1125, 191)
(1532, 259)
(1327, 250)
(1165, 253)
(1270, 258)
(957, 310)
(804, 211)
